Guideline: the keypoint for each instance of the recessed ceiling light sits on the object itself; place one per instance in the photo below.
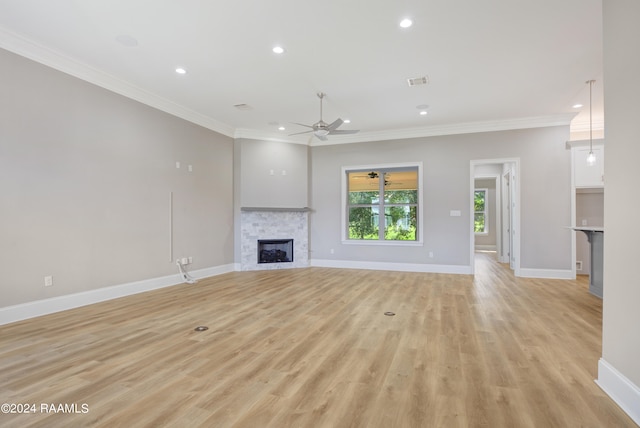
(577, 106)
(406, 23)
(278, 49)
(281, 128)
(423, 113)
(181, 70)
(347, 121)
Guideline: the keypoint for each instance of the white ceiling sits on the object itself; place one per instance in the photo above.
(492, 64)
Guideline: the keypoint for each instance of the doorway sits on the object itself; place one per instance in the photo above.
(505, 205)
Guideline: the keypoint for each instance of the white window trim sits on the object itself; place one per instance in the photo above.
(486, 211)
(343, 222)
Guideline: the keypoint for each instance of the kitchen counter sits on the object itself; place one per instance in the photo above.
(595, 235)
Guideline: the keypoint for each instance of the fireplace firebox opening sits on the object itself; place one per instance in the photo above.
(275, 250)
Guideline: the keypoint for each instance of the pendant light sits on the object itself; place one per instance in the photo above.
(591, 159)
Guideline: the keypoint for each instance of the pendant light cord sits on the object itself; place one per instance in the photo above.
(591, 159)
(590, 117)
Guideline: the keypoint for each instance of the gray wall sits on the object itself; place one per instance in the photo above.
(589, 207)
(621, 317)
(271, 174)
(85, 179)
(545, 207)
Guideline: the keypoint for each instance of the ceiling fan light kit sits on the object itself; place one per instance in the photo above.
(321, 129)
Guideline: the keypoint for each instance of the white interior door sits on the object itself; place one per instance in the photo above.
(511, 221)
(507, 237)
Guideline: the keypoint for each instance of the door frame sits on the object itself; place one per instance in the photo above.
(515, 208)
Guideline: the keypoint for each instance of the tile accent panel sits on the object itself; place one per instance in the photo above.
(273, 224)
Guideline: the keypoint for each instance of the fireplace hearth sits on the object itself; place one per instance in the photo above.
(275, 250)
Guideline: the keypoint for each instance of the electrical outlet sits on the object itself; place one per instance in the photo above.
(190, 259)
(185, 261)
(48, 281)
(430, 254)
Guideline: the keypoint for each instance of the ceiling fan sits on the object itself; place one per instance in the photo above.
(321, 128)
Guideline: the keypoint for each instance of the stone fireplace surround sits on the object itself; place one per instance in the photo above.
(273, 223)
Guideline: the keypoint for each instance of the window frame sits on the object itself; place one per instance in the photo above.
(485, 212)
(345, 205)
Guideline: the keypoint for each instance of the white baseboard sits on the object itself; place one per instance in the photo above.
(485, 248)
(546, 273)
(213, 271)
(401, 267)
(621, 390)
(433, 268)
(38, 308)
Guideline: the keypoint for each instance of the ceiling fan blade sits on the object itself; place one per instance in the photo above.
(335, 124)
(321, 129)
(302, 124)
(344, 131)
(298, 133)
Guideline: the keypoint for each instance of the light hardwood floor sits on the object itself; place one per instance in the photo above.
(313, 348)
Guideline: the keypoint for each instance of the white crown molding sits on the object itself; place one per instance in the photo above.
(253, 134)
(51, 58)
(430, 131)
(453, 129)
(27, 48)
(584, 143)
(585, 126)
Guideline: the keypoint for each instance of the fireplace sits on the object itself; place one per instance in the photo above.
(275, 250)
(274, 224)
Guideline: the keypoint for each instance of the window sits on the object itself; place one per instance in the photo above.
(480, 211)
(382, 204)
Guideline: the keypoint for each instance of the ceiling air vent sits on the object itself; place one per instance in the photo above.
(242, 106)
(418, 81)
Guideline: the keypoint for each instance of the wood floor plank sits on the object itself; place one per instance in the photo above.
(313, 348)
